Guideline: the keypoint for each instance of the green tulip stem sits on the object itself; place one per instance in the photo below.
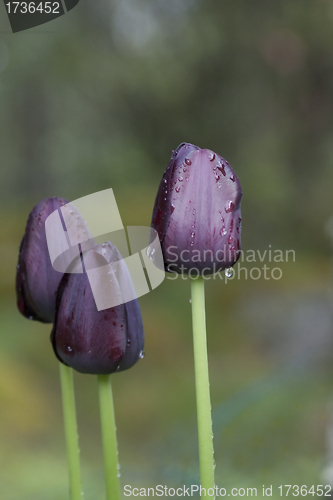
(109, 438)
(71, 433)
(204, 417)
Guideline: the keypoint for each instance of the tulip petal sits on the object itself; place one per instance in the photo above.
(197, 212)
(92, 341)
(36, 280)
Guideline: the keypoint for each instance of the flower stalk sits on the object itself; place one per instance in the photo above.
(109, 438)
(71, 433)
(204, 417)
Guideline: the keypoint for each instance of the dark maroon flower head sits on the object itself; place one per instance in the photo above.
(92, 341)
(197, 212)
(36, 280)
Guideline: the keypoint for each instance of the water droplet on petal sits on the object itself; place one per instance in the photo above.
(231, 226)
(222, 169)
(229, 272)
(180, 179)
(142, 354)
(188, 162)
(69, 350)
(177, 189)
(194, 212)
(232, 178)
(230, 239)
(230, 207)
(212, 157)
(223, 231)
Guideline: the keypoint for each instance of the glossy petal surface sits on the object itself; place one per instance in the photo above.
(92, 341)
(36, 280)
(197, 212)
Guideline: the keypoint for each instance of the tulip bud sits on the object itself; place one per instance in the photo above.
(36, 280)
(197, 212)
(93, 341)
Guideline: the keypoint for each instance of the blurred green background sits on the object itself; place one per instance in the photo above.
(98, 99)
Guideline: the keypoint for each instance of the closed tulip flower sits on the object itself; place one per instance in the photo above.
(91, 340)
(36, 280)
(197, 212)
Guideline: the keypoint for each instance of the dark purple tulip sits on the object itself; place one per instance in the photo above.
(197, 212)
(36, 280)
(92, 341)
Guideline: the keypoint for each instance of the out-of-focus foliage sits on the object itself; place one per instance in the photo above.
(104, 99)
(98, 99)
